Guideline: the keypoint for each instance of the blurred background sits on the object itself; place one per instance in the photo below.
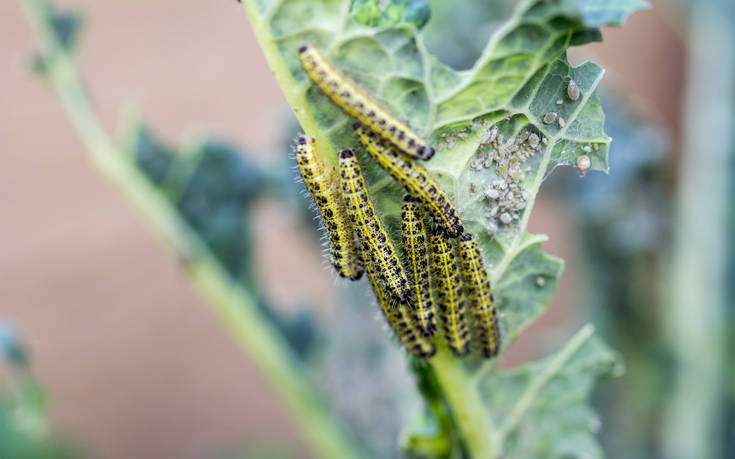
(131, 362)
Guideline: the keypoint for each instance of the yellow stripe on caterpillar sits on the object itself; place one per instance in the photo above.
(484, 311)
(357, 103)
(416, 261)
(321, 183)
(414, 178)
(370, 230)
(450, 292)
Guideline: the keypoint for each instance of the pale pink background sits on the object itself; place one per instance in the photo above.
(134, 363)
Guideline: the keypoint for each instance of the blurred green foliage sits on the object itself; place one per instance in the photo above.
(25, 432)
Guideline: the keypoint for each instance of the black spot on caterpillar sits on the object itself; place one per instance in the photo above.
(370, 230)
(416, 256)
(484, 311)
(414, 178)
(357, 103)
(450, 292)
(324, 188)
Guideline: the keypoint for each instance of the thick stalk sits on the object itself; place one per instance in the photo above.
(233, 305)
(476, 428)
(696, 289)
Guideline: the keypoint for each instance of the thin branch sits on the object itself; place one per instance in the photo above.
(233, 305)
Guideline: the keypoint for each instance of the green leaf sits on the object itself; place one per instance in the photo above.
(66, 27)
(541, 408)
(499, 127)
(62, 28)
(391, 13)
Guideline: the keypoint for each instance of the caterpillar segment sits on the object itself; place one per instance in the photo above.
(324, 189)
(416, 260)
(399, 318)
(484, 311)
(374, 241)
(451, 300)
(417, 181)
(356, 102)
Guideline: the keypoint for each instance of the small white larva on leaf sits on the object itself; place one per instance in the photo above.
(583, 164)
(573, 90)
(550, 117)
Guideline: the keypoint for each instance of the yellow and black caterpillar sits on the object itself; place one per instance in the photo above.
(414, 178)
(416, 256)
(399, 317)
(371, 233)
(484, 312)
(450, 292)
(357, 103)
(324, 188)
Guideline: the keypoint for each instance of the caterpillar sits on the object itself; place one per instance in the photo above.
(371, 233)
(357, 103)
(321, 183)
(451, 298)
(399, 318)
(416, 256)
(414, 178)
(482, 303)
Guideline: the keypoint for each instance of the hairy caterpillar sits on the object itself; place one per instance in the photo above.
(482, 304)
(399, 317)
(416, 256)
(371, 233)
(321, 183)
(357, 103)
(414, 178)
(450, 291)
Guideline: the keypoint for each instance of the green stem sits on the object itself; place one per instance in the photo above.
(696, 298)
(233, 305)
(476, 427)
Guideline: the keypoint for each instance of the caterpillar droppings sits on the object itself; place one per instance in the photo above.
(371, 233)
(324, 189)
(357, 103)
(483, 309)
(416, 256)
(451, 299)
(414, 178)
(399, 318)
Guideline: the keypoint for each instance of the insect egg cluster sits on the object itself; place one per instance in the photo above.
(505, 195)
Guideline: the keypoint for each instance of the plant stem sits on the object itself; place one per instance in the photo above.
(696, 289)
(233, 305)
(475, 425)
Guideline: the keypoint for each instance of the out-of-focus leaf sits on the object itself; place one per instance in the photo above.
(11, 349)
(376, 13)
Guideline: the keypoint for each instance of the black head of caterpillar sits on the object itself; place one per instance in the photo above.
(357, 103)
(416, 260)
(379, 249)
(451, 300)
(485, 316)
(414, 178)
(324, 189)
